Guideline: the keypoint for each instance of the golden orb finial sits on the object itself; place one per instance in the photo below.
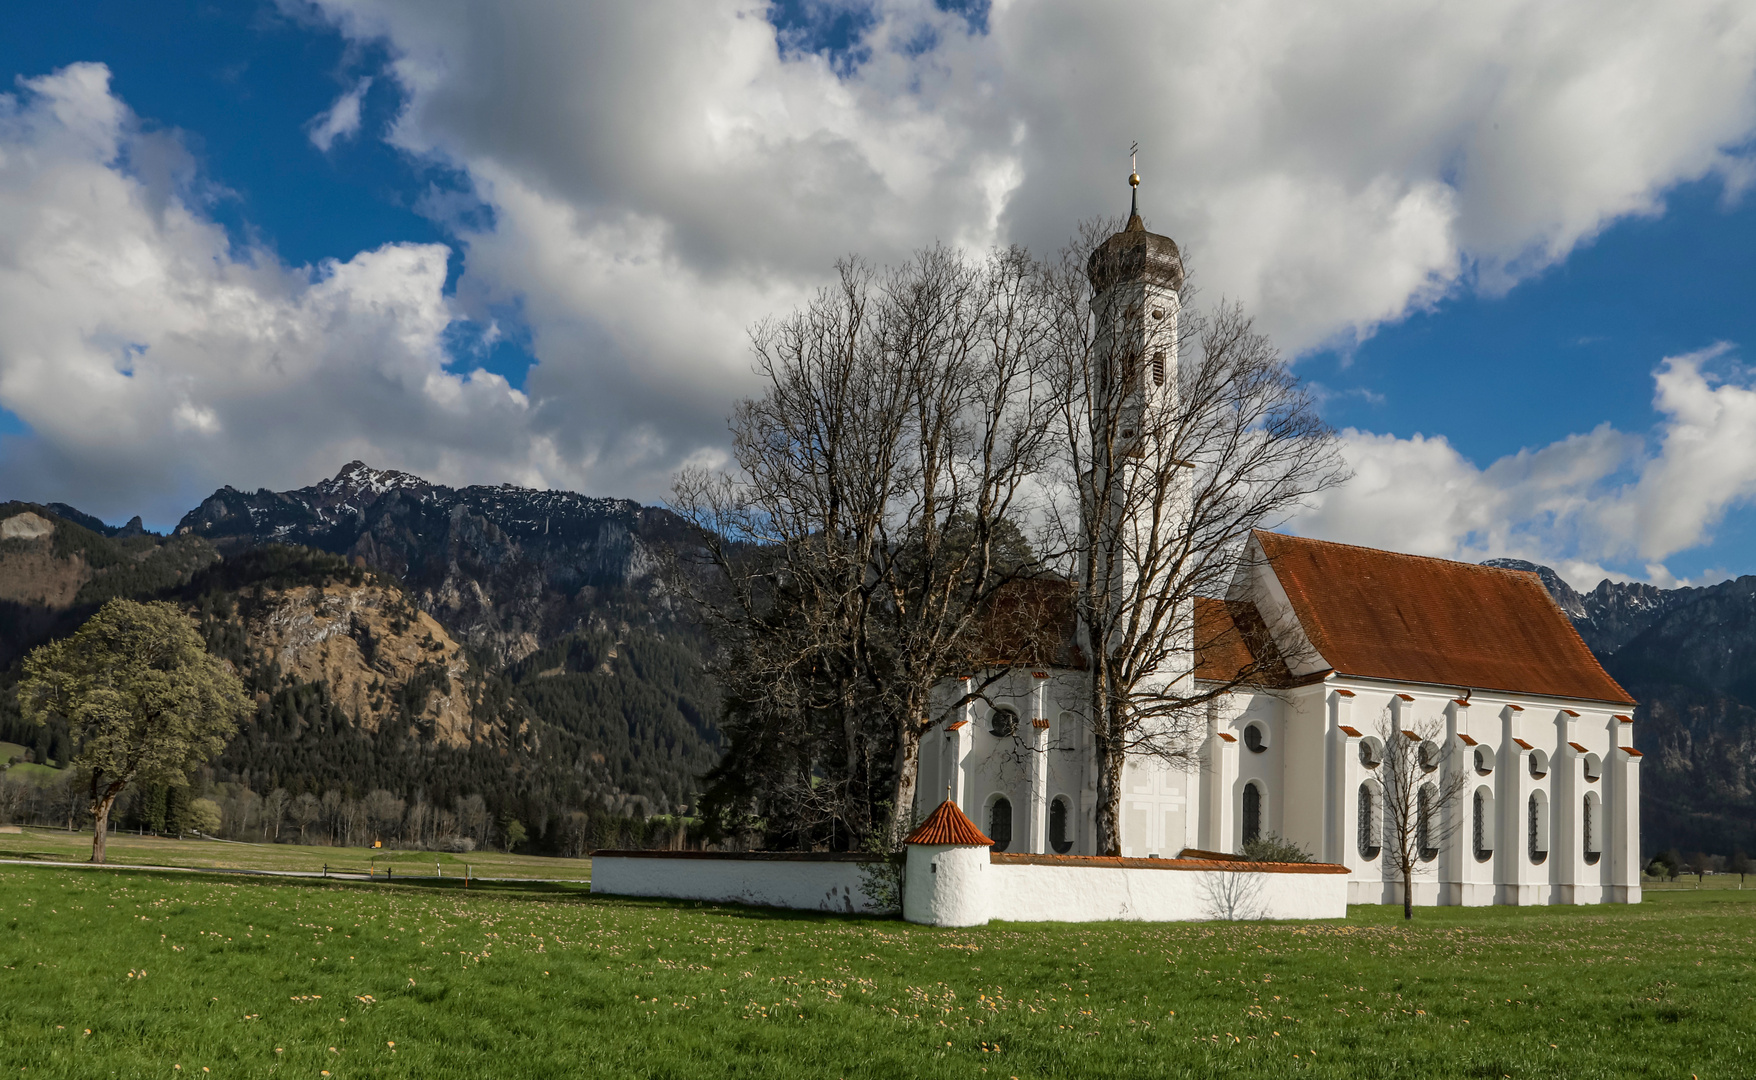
(1133, 179)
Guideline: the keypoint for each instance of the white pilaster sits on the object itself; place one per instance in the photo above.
(1622, 810)
(1037, 820)
(1338, 794)
(1566, 835)
(1511, 792)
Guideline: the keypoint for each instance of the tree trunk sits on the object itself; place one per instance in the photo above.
(908, 775)
(1408, 891)
(100, 813)
(1109, 799)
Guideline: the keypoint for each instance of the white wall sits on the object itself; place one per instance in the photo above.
(766, 880)
(966, 886)
(1075, 893)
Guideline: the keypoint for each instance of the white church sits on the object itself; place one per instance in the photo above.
(1354, 642)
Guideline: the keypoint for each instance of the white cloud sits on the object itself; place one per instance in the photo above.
(147, 356)
(1606, 497)
(660, 176)
(341, 120)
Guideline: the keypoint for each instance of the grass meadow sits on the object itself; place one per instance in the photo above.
(146, 974)
(126, 849)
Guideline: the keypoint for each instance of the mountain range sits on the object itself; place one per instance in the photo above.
(1688, 656)
(520, 644)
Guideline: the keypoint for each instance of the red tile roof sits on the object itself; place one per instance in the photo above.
(1467, 741)
(1579, 748)
(1352, 733)
(1631, 752)
(1624, 719)
(1232, 643)
(948, 825)
(1522, 743)
(1406, 618)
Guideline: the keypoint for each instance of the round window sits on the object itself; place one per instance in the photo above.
(1371, 752)
(1484, 760)
(1594, 768)
(1255, 739)
(1003, 723)
(1539, 764)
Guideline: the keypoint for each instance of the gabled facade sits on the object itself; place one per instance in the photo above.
(1479, 657)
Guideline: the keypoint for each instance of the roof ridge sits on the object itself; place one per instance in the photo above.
(1398, 554)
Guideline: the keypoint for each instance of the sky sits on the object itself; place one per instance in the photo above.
(1508, 244)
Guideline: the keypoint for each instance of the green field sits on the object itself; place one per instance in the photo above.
(124, 849)
(139, 973)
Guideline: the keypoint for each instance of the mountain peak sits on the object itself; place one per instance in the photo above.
(358, 476)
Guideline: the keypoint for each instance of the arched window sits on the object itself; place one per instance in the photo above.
(1427, 823)
(1060, 834)
(1594, 828)
(1000, 823)
(1002, 723)
(1255, 739)
(1252, 812)
(1538, 827)
(1369, 846)
(1484, 824)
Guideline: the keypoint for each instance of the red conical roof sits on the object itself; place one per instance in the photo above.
(948, 825)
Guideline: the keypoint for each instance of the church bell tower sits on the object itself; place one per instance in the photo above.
(1137, 279)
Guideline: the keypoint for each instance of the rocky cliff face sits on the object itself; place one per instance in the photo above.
(505, 569)
(54, 571)
(374, 650)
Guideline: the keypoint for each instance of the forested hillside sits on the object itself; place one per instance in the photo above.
(361, 691)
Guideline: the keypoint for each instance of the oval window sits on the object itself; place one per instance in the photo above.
(1003, 723)
(1484, 760)
(1371, 752)
(1255, 739)
(1484, 824)
(1368, 827)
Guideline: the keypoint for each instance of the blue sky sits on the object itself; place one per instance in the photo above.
(461, 281)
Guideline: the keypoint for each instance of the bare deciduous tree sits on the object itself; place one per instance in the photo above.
(1179, 433)
(304, 810)
(274, 811)
(867, 522)
(1423, 791)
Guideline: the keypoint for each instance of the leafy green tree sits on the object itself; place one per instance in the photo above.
(515, 832)
(203, 816)
(142, 701)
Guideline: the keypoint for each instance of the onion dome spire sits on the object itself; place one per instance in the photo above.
(1135, 254)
